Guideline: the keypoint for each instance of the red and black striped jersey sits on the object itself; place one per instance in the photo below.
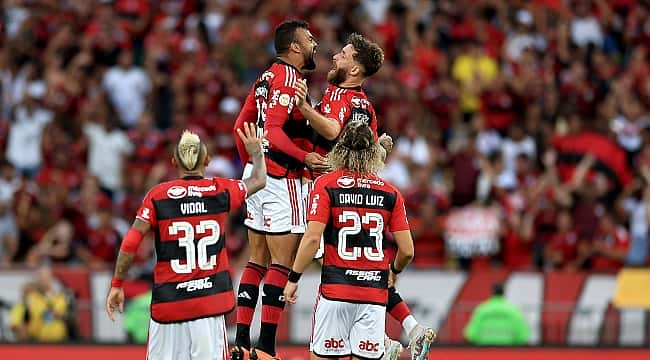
(343, 105)
(191, 275)
(270, 104)
(356, 210)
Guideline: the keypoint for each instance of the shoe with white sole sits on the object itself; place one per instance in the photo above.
(420, 340)
(393, 349)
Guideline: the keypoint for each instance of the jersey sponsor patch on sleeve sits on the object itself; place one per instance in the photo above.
(284, 99)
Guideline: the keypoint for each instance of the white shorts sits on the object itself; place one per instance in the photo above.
(202, 339)
(343, 329)
(277, 208)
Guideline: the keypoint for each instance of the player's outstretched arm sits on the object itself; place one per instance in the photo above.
(130, 244)
(327, 127)
(253, 144)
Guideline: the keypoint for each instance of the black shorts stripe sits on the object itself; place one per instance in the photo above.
(178, 291)
(355, 277)
(209, 205)
(171, 250)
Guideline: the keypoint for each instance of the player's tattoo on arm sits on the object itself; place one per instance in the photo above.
(124, 261)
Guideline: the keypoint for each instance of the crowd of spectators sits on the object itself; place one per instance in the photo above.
(521, 128)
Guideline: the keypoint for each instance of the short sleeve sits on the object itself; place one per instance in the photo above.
(398, 219)
(319, 204)
(280, 102)
(147, 212)
(334, 107)
(237, 190)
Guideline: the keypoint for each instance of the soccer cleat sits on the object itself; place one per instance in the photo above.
(393, 349)
(420, 340)
(239, 353)
(257, 354)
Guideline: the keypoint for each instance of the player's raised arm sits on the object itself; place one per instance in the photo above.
(327, 127)
(253, 144)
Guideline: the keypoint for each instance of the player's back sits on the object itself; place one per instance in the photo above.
(191, 278)
(361, 208)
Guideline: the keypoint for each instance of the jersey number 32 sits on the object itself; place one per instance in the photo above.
(189, 233)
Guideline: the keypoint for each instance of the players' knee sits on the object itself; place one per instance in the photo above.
(257, 249)
(261, 259)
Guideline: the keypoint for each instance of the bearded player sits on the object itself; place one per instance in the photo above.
(343, 101)
(273, 214)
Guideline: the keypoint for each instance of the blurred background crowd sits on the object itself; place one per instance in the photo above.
(521, 128)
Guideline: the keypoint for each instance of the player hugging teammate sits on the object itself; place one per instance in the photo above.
(274, 225)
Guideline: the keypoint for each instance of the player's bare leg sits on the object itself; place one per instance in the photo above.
(283, 250)
(248, 292)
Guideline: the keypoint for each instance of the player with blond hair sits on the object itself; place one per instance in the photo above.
(192, 288)
(344, 100)
(349, 209)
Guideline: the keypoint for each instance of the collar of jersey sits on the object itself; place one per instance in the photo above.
(280, 61)
(192, 177)
(350, 88)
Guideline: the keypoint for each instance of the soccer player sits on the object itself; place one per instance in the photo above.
(350, 208)
(345, 101)
(192, 287)
(273, 214)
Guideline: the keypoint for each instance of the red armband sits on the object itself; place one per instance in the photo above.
(131, 241)
(117, 283)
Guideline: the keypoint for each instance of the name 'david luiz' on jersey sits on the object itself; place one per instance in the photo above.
(361, 199)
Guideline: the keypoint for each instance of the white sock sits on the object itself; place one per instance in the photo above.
(409, 324)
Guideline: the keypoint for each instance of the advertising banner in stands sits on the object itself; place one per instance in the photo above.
(473, 231)
(561, 308)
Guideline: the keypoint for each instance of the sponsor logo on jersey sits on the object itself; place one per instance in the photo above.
(267, 75)
(262, 90)
(334, 344)
(359, 103)
(366, 183)
(345, 182)
(176, 192)
(198, 284)
(314, 204)
(284, 99)
(198, 191)
(359, 116)
(274, 98)
(364, 275)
